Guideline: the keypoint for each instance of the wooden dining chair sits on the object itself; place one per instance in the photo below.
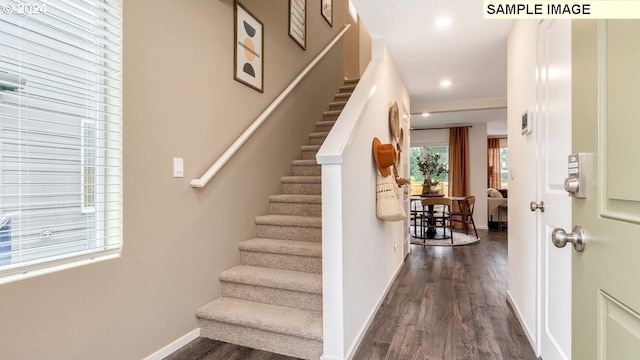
(437, 216)
(417, 216)
(465, 215)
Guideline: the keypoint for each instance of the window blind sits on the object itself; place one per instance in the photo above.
(60, 132)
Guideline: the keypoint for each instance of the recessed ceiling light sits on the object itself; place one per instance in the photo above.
(443, 22)
(445, 83)
(425, 114)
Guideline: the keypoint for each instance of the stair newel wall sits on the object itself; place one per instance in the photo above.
(361, 254)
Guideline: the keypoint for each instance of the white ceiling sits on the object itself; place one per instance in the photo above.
(471, 52)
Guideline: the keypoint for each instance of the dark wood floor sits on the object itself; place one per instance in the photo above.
(207, 349)
(449, 303)
(446, 303)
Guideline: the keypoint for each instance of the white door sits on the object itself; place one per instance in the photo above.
(554, 146)
(606, 124)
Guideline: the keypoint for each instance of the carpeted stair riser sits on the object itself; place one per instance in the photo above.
(337, 105)
(331, 115)
(267, 295)
(282, 254)
(306, 168)
(294, 346)
(302, 209)
(282, 261)
(302, 185)
(317, 138)
(302, 188)
(342, 96)
(289, 232)
(347, 88)
(351, 81)
(324, 126)
(296, 204)
(309, 152)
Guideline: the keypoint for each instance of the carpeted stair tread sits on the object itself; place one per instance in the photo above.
(337, 105)
(342, 96)
(318, 135)
(304, 163)
(347, 88)
(325, 123)
(351, 81)
(274, 278)
(301, 179)
(332, 112)
(273, 318)
(294, 198)
(289, 220)
(288, 247)
(313, 147)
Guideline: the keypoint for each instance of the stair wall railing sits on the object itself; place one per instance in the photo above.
(224, 158)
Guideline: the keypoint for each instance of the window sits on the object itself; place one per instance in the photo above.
(60, 134)
(504, 167)
(417, 178)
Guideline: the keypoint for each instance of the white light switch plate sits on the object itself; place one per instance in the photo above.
(178, 167)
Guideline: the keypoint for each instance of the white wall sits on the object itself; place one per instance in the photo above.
(478, 169)
(361, 253)
(477, 166)
(522, 175)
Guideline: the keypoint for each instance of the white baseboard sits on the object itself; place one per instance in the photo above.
(526, 329)
(174, 346)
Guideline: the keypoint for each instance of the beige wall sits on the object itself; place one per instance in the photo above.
(358, 51)
(365, 46)
(180, 100)
(352, 51)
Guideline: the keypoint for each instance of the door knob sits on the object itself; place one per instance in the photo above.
(560, 238)
(535, 206)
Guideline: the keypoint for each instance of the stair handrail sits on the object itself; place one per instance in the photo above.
(222, 160)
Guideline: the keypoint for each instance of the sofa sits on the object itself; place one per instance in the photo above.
(496, 198)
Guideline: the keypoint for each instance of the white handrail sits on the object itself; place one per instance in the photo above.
(213, 170)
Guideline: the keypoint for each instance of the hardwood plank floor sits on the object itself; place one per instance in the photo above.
(449, 303)
(446, 303)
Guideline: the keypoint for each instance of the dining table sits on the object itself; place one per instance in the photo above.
(427, 214)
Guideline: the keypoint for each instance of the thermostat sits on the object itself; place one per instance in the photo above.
(527, 123)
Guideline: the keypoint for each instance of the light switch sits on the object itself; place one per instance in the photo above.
(178, 167)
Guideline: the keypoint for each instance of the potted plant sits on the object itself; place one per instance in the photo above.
(432, 169)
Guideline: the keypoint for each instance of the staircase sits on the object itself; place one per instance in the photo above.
(272, 301)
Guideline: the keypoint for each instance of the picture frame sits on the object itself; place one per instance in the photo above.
(326, 9)
(298, 22)
(248, 62)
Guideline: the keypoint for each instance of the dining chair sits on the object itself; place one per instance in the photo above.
(465, 215)
(437, 216)
(416, 215)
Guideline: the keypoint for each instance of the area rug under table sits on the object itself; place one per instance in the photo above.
(458, 239)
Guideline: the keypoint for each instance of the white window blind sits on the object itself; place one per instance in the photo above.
(60, 133)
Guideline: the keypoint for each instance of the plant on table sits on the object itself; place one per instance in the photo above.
(432, 168)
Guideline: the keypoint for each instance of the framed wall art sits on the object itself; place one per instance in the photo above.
(326, 8)
(298, 22)
(248, 49)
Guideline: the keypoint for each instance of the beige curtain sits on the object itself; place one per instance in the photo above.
(493, 159)
(459, 175)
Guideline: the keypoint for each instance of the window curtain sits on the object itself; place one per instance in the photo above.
(493, 159)
(459, 175)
